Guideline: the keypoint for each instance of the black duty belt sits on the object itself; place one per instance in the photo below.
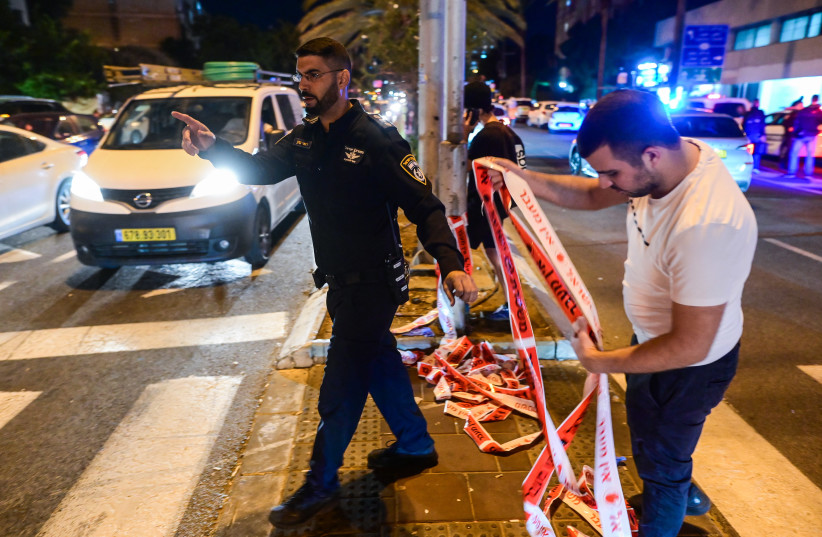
(335, 281)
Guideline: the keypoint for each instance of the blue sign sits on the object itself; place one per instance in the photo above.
(704, 46)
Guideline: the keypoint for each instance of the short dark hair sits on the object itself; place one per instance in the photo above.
(628, 121)
(332, 51)
(477, 95)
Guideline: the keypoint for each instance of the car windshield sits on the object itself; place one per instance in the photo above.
(523, 103)
(567, 109)
(147, 123)
(707, 127)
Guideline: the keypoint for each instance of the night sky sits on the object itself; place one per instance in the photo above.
(263, 13)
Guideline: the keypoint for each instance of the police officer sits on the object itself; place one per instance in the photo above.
(354, 170)
(754, 125)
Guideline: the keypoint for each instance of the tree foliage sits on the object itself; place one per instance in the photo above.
(45, 59)
(383, 34)
(226, 39)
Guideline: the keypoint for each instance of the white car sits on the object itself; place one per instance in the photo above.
(35, 180)
(719, 131)
(566, 117)
(141, 200)
(518, 108)
(538, 117)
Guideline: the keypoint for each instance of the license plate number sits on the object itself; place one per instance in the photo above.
(145, 234)
(566, 124)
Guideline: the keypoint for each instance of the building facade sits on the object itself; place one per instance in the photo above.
(143, 23)
(774, 49)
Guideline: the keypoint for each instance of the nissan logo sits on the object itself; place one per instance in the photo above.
(142, 200)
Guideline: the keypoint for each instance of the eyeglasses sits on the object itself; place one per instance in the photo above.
(311, 77)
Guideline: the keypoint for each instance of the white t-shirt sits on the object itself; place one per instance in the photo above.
(700, 240)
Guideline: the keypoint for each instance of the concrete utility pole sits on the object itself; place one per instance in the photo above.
(443, 152)
(430, 92)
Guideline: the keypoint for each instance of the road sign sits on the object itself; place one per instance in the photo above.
(704, 46)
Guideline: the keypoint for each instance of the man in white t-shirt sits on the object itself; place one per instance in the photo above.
(691, 240)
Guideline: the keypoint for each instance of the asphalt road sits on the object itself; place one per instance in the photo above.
(134, 364)
(156, 404)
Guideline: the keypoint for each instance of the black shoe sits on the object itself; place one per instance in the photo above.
(698, 502)
(304, 504)
(390, 460)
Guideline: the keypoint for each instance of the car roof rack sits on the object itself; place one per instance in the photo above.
(215, 73)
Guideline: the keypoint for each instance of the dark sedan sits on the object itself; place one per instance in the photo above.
(79, 130)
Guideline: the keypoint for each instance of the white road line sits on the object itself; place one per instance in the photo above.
(810, 188)
(12, 403)
(17, 255)
(160, 292)
(754, 486)
(79, 340)
(5, 284)
(814, 371)
(64, 257)
(794, 249)
(140, 483)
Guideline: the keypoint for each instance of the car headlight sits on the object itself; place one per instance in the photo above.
(84, 186)
(218, 183)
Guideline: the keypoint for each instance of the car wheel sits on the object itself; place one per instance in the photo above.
(576, 162)
(62, 218)
(261, 243)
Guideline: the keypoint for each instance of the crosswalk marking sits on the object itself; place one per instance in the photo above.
(64, 257)
(794, 249)
(12, 403)
(752, 484)
(6, 284)
(141, 481)
(29, 344)
(814, 371)
(17, 255)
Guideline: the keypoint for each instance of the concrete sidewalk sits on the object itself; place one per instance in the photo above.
(469, 493)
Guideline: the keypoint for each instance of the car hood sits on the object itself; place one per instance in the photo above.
(132, 169)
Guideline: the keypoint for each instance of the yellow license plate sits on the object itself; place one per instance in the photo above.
(722, 153)
(145, 234)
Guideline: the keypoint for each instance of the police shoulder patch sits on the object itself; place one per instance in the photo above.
(409, 164)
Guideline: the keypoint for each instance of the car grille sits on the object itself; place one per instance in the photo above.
(149, 249)
(158, 195)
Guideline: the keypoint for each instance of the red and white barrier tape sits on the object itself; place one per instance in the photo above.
(607, 487)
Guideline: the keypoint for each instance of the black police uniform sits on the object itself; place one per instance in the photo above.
(352, 180)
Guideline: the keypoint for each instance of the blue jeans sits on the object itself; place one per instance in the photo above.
(362, 359)
(666, 412)
(809, 142)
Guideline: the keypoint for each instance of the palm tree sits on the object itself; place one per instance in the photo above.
(384, 33)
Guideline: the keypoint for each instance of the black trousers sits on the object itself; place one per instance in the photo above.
(362, 359)
(666, 412)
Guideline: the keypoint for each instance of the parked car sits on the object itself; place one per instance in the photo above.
(35, 181)
(775, 131)
(566, 117)
(75, 129)
(141, 200)
(501, 114)
(719, 131)
(538, 117)
(21, 104)
(518, 108)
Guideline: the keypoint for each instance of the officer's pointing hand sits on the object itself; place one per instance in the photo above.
(461, 285)
(196, 136)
